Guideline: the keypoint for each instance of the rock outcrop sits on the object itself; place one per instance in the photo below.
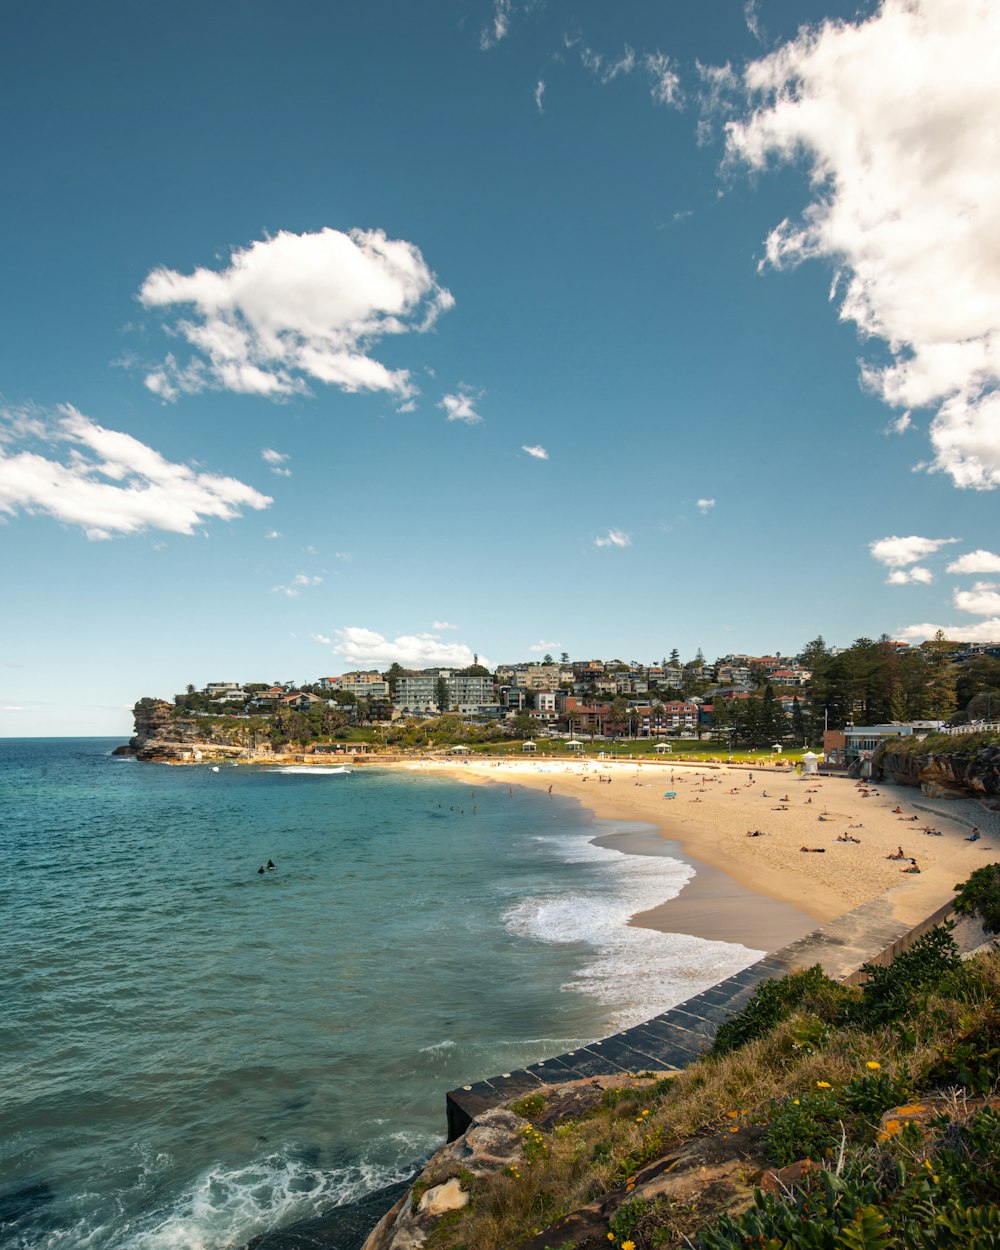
(161, 736)
(953, 774)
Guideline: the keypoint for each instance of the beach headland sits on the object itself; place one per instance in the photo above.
(765, 890)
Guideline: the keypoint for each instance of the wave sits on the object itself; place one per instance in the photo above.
(653, 971)
(227, 1207)
(327, 769)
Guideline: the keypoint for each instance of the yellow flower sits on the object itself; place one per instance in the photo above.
(611, 1236)
(872, 1065)
(628, 1245)
(795, 1101)
(823, 1085)
(645, 1113)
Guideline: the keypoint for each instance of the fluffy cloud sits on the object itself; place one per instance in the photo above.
(460, 407)
(705, 504)
(538, 452)
(276, 460)
(897, 553)
(898, 119)
(364, 648)
(107, 482)
(298, 583)
(294, 308)
(985, 631)
(981, 600)
(902, 577)
(614, 538)
(543, 648)
(976, 562)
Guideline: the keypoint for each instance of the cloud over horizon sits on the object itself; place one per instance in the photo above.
(366, 648)
(898, 120)
(108, 482)
(294, 309)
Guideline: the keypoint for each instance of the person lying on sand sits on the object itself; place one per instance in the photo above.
(913, 818)
(755, 833)
(814, 850)
(846, 837)
(933, 833)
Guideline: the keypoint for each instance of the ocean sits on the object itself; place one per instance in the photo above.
(196, 1052)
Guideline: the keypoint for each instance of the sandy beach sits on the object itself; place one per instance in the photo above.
(766, 890)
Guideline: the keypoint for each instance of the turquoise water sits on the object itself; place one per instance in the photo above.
(195, 1052)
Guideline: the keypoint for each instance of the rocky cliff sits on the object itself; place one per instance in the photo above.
(162, 735)
(959, 774)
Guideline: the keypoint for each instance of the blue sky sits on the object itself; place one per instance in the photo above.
(292, 290)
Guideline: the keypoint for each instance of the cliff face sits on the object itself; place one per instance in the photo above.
(164, 736)
(953, 774)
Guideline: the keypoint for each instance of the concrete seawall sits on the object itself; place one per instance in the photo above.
(671, 1040)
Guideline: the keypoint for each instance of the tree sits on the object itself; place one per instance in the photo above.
(675, 659)
(441, 694)
(547, 658)
(564, 657)
(392, 677)
(798, 723)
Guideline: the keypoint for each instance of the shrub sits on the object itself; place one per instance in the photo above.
(980, 896)
(897, 989)
(774, 1001)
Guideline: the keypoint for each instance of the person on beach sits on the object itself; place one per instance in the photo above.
(900, 854)
(913, 867)
(974, 836)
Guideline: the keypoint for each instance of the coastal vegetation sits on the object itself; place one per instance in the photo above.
(825, 1117)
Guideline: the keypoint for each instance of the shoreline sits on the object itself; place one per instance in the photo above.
(747, 878)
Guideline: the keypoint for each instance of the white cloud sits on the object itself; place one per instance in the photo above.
(606, 73)
(666, 82)
(705, 504)
(273, 534)
(982, 600)
(295, 308)
(298, 583)
(276, 460)
(459, 407)
(365, 648)
(752, 19)
(896, 553)
(903, 577)
(614, 538)
(900, 425)
(322, 638)
(976, 562)
(443, 625)
(542, 648)
(898, 119)
(984, 631)
(107, 482)
(540, 95)
(500, 27)
(12, 707)
(537, 451)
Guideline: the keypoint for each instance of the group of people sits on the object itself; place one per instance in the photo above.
(271, 867)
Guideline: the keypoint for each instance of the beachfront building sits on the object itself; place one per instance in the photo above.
(856, 744)
(418, 692)
(368, 684)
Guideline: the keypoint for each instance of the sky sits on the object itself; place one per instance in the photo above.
(350, 333)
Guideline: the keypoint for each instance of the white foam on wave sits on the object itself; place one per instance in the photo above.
(328, 770)
(228, 1206)
(636, 972)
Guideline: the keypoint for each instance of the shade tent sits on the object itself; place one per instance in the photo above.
(573, 745)
(460, 750)
(528, 745)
